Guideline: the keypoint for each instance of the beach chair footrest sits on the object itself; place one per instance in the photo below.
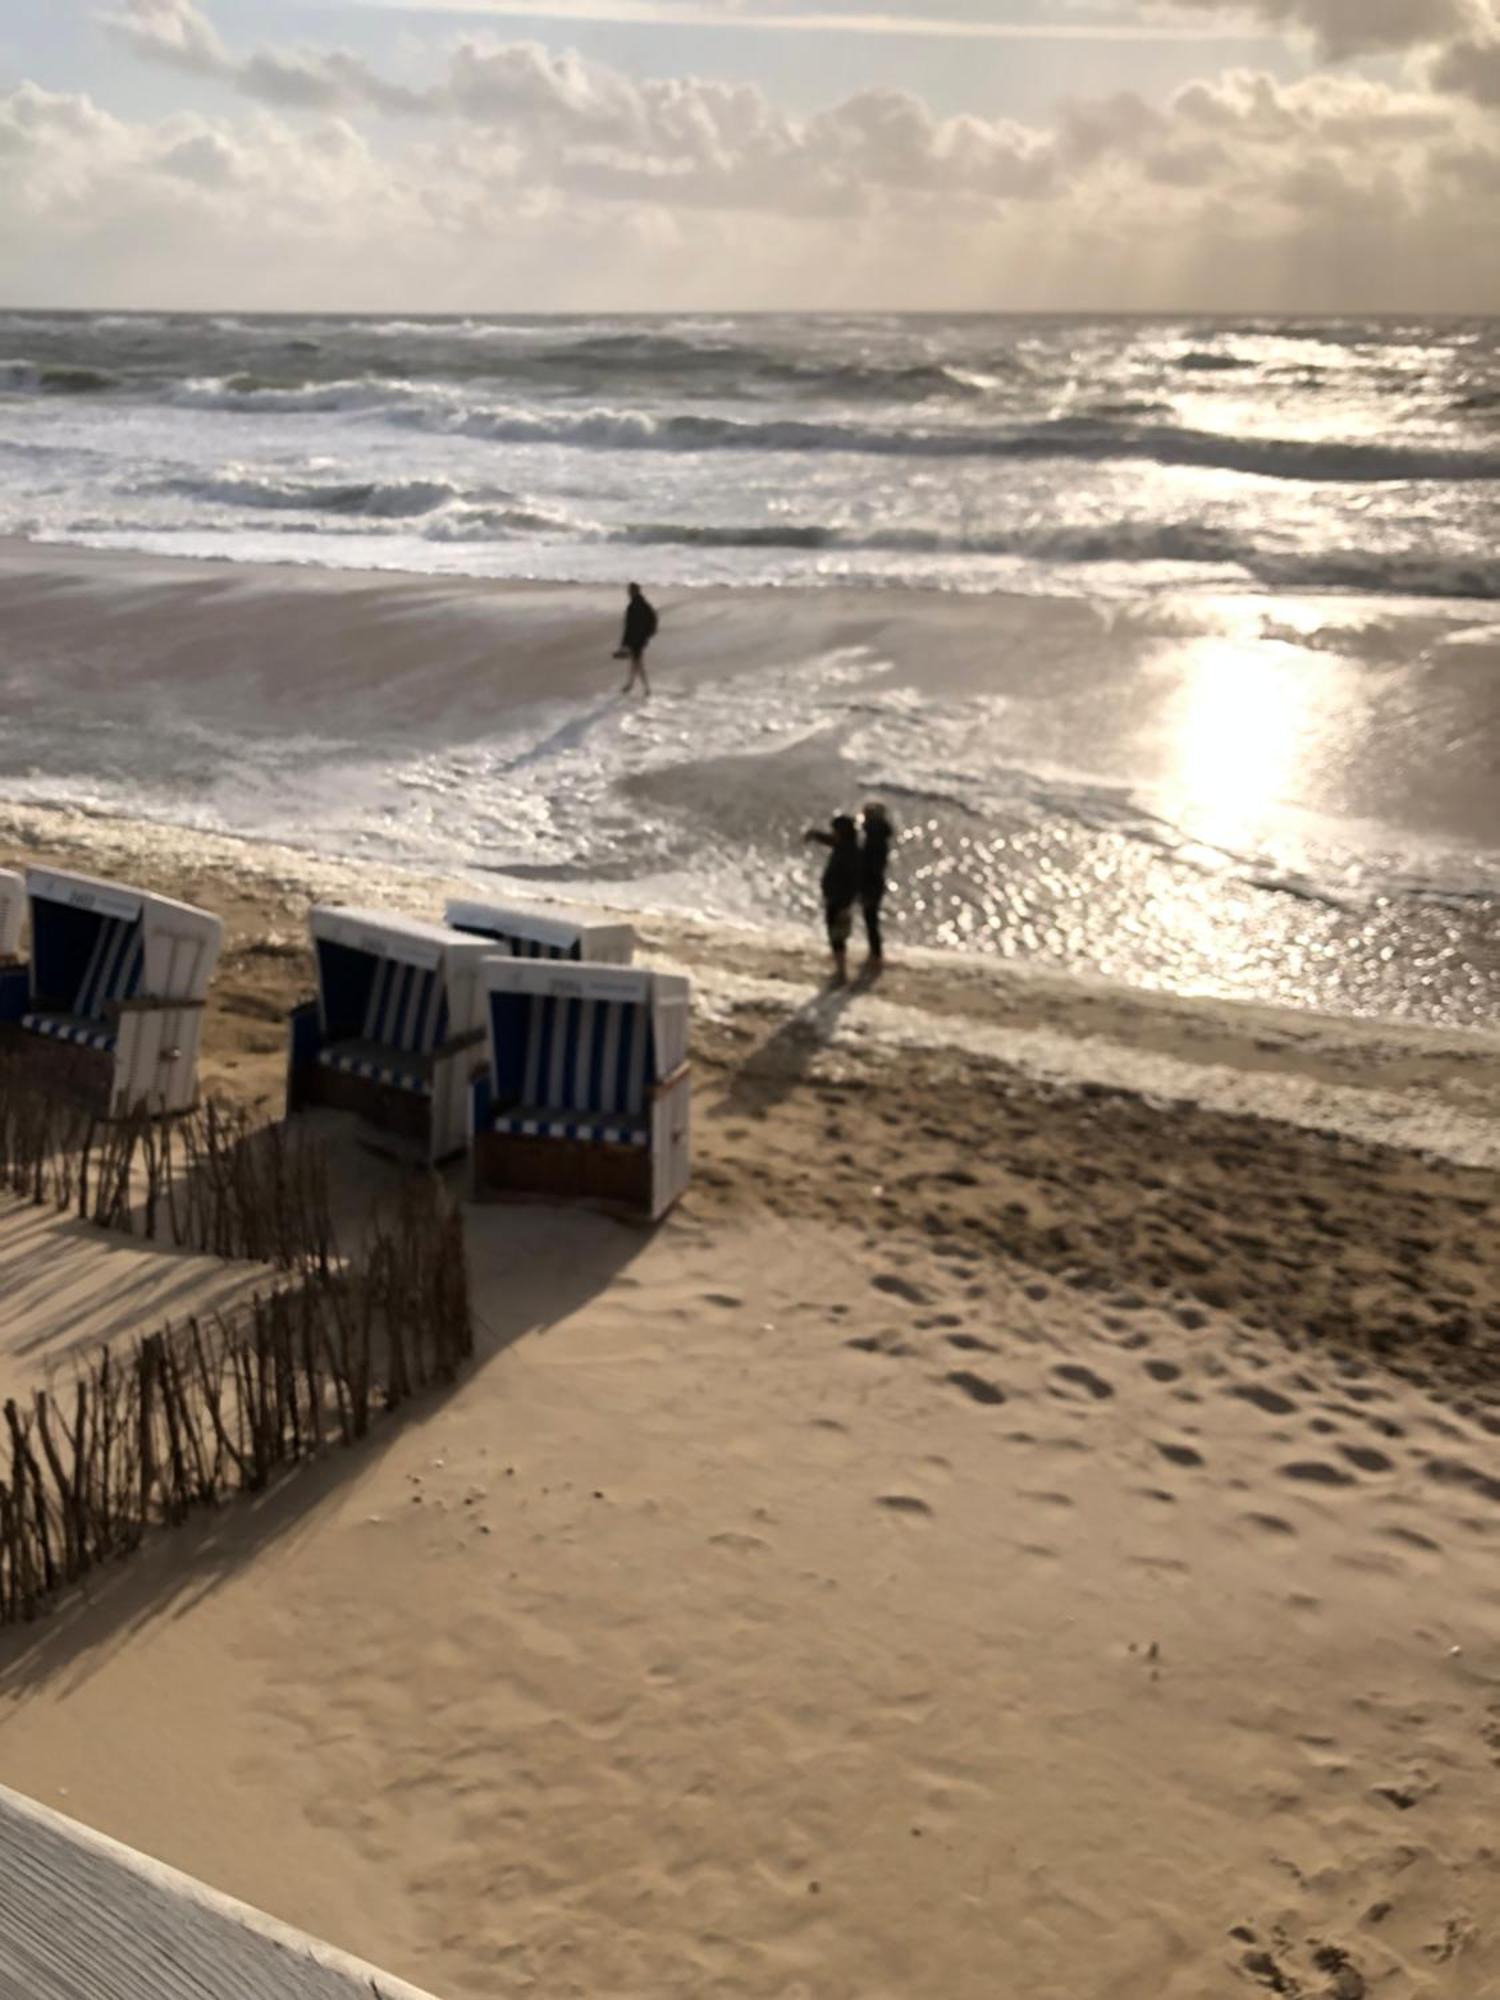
(594, 1127)
(562, 1169)
(87, 1034)
(374, 1064)
(76, 1071)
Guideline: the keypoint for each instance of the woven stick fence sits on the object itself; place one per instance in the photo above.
(192, 1415)
(212, 1181)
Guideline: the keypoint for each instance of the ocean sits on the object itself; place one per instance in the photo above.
(1248, 743)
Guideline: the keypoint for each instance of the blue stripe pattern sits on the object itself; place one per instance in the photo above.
(376, 1072)
(112, 973)
(408, 1008)
(559, 1055)
(597, 1129)
(114, 968)
(88, 1034)
(534, 948)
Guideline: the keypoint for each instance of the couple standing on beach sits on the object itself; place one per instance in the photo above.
(855, 872)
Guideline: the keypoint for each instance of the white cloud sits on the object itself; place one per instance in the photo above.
(522, 176)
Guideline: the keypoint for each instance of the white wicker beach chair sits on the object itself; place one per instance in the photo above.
(12, 915)
(397, 1029)
(111, 1010)
(527, 934)
(587, 1091)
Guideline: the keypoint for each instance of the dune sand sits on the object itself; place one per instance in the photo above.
(1026, 1525)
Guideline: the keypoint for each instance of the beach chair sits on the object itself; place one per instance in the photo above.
(525, 934)
(586, 1093)
(15, 977)
(396, 1031)
(12, 915)
(110, 1010)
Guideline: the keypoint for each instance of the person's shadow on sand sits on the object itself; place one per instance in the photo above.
(774, 1070)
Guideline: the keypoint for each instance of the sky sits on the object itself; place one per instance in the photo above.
(629, 155)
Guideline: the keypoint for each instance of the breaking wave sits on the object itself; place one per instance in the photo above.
(1185, 542)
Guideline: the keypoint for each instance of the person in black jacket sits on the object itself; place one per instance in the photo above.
(874, 862)
(840, 887)
(640, 630)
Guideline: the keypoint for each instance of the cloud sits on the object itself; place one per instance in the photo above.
(1470, 68)
(1343, 28)
(169, 31)
(707, 143)
(523, 177)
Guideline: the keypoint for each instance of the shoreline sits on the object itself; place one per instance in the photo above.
(1429, 1089)
(1078, 784)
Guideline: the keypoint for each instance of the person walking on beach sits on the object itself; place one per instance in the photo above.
(874, 862)
(640, 630)
(840, 887)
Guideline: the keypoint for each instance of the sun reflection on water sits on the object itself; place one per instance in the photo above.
(1247, 724)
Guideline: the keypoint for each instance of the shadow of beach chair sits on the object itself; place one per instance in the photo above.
(526, 934)
(396, 1031)
(109, 1009)
(587, 1091)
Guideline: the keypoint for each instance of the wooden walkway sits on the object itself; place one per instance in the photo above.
(82, 1918)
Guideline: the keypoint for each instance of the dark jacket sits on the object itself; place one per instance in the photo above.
(874, 859)
(841, 873)
(640, 625)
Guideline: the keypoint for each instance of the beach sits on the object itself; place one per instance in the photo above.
(1027, 1521)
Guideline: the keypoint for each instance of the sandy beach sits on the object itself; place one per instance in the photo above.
(1027, 1523)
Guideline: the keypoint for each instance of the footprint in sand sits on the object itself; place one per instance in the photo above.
(1270, 1524)
(871, 1343)
(1179, 1454)
(1367, 1458)
(1315, 1472)
(1077, 1375)
(1454, 1472)
(970, 1343)
(976, 1387)
(1163, 1371)
(900, 1288)
(1270, 1400)
(726, 1300)
(903, 1503)
(1413, 1539)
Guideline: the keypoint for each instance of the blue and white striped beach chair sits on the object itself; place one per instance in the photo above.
(587, 1093)
(559, 935)
(116, 984)
(397, 1028)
